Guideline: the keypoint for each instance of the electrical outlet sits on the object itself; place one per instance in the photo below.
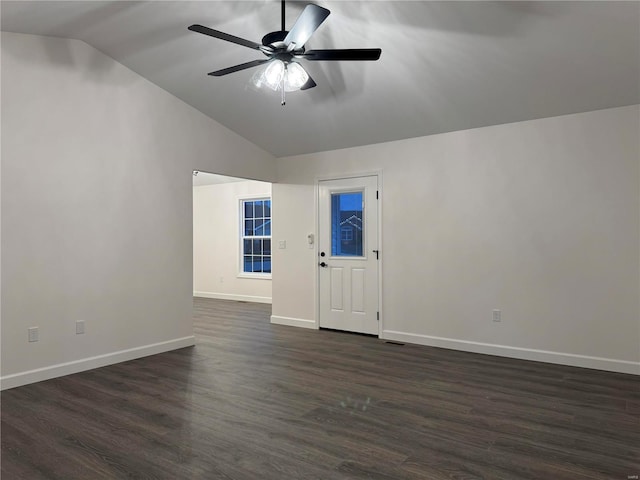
(282, 244)
(33, 334)
(221, 279)
(79, 327)
(497, 316)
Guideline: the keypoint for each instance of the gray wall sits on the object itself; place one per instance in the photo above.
(97, 207)
(539, 219)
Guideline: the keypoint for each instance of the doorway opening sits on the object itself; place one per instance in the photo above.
(231, 238)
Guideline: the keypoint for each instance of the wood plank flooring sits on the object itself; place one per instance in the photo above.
(258, 401)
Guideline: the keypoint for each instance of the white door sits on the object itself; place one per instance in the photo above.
(348, 254)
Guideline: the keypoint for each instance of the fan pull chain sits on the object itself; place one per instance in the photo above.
(284, 75)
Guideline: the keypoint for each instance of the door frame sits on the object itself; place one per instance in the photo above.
(316, 277)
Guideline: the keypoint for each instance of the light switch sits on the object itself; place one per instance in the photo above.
(33, 334)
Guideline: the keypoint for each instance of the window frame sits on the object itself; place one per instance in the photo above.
(242, 237)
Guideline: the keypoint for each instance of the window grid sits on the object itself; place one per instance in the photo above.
(346, 234)
(256, 236)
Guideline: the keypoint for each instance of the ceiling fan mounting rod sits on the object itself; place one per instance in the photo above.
(282, 10)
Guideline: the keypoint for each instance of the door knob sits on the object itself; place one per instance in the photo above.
(323, 264)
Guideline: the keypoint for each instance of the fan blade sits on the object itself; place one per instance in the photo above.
(310, 84)
(307, 23)
(237, 68)
(345, 54)
(225, 36)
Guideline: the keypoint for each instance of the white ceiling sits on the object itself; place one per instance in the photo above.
(445, 66)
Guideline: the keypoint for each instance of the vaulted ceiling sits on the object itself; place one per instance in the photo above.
(445, 66)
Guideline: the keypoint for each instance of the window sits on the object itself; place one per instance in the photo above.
(256, 236)
(346, 224)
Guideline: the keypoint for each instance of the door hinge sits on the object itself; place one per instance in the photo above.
(378, 316)
(376, 194)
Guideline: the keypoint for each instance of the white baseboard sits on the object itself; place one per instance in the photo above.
(231, 296)
(61, 369)
(598, 363)
(293, 322)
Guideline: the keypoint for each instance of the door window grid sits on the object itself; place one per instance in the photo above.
(256, 236)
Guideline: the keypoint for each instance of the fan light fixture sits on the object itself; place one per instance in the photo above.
(279, 75)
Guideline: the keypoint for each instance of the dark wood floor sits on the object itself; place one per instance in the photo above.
(258, 401)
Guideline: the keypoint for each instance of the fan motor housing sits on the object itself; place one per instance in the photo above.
(273, 38)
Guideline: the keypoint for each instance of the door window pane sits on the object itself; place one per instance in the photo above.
(346, 224)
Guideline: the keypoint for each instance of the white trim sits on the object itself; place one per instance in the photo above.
(68, 368)
(255, 276)
(233, 296)
(380, 254)
(570, 359)
(294, 322)
(342, 176)
(316, 253)
(254, 196)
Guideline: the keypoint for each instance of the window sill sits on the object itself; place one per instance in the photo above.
(255, 276)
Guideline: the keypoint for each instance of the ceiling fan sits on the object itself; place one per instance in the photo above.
(284, 48)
